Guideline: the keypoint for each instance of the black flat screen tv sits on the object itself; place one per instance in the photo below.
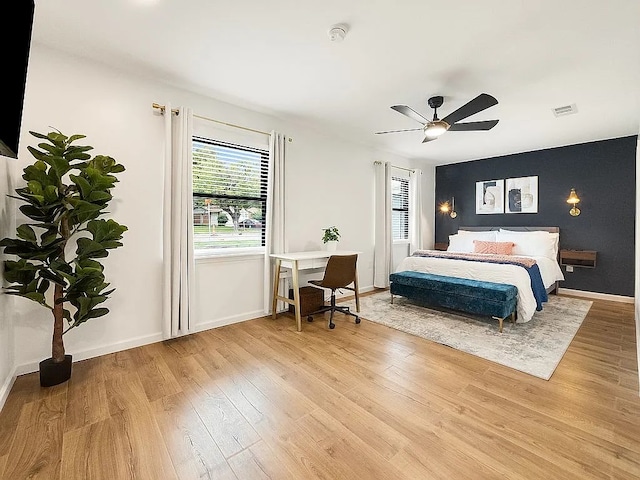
(15, 41)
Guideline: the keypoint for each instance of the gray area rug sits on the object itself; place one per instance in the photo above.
(535, 347)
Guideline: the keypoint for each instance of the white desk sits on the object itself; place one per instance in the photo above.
(296, 261)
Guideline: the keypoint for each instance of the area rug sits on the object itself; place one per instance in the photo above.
(535, 347)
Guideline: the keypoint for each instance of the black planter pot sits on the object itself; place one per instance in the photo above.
(55, 373)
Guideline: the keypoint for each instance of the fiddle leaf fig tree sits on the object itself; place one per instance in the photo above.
(66, 193)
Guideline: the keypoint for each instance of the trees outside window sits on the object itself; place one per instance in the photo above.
(229, 195)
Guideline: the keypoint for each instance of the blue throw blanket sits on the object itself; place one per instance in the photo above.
(537, 285)
(539, 292)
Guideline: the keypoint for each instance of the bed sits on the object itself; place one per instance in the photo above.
(537, 243)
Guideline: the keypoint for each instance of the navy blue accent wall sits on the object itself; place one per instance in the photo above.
(603, 174)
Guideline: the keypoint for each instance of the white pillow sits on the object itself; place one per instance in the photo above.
(457, 243)
(463, 242)
(529, 232)
(487, 235)
(554, 235)
(531, 244)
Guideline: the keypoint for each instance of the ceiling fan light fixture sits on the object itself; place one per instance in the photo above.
(435, 129)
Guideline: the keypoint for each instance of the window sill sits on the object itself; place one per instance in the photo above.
(221, 256)
(401, 242)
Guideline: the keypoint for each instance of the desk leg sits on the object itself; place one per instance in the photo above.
(276, 285)
(355, 288)
(296, 294)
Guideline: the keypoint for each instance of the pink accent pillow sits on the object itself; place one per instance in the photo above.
(497, 248)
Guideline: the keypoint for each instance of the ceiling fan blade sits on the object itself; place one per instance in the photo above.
(409, 112)
(470, 126)
(396, 131)
(481, 102)
(428, 139)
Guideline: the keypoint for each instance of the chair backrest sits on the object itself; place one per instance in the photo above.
(340, 271)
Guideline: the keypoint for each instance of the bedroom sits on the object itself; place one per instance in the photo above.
(112, 106)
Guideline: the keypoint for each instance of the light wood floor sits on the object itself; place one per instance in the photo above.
(259, 400)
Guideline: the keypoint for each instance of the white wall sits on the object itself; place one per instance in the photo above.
(328, 181)
(7, 229)
(428, 204)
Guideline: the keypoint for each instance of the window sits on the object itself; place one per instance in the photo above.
(229, 195)
(400, 208)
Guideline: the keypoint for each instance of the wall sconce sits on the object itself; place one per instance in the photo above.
(449, 208)
(573, 200)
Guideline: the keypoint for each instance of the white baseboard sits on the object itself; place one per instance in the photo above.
(34, 366)
(349, 293)
(258, 313)
(221, 322)
(370, 288)
(596, 295)
(6, 388)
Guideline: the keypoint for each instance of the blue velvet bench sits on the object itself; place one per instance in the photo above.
(497, 300)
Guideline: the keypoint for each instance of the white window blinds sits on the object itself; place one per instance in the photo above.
(400, 208)
(229, 194)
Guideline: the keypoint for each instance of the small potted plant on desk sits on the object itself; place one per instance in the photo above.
(66, 191)
(330, 238)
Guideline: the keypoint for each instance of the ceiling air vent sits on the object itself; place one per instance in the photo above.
(565, 110)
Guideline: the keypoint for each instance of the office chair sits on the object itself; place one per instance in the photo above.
(339, 273)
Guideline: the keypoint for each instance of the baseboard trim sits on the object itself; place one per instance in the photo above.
(596, 295)
(350, 294)
(201, 327)
(34, 366)
(6, 388)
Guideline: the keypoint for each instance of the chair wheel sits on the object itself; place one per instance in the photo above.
(357, 319)
(332, 326)
(309, 318)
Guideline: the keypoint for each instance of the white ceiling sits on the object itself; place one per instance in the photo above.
(275, 56)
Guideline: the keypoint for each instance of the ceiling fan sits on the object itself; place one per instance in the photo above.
(436, 127)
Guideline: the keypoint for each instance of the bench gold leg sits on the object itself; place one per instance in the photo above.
(499, 320)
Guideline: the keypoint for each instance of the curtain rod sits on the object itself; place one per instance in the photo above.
(162, 109)
(377, 162)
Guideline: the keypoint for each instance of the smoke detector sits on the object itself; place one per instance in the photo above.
(338, 32)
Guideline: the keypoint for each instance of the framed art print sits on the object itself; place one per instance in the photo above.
(521, 195)
(489, 197)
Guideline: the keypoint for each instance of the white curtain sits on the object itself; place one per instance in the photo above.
(383, 257)
(274, 235)
(178, 257)
(415, 211)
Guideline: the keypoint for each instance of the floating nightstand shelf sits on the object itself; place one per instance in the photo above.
(578, 258)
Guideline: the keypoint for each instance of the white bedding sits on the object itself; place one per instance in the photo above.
(491, 272)
(550, 270)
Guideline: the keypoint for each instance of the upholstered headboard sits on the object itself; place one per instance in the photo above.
(515, 229)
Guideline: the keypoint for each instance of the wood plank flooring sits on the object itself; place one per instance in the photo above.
(259, 400)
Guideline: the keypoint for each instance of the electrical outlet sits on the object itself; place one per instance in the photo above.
(569, 268)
